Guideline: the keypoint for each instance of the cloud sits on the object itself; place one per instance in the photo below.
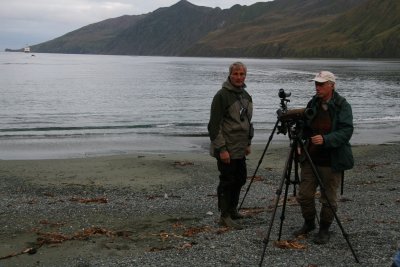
(72, 12)
(43, 20)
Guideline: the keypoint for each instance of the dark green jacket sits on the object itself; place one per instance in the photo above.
(227, 128)
(337, 141)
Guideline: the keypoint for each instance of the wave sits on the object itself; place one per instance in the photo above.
(167, 129)
(380, 119)
(77, 128)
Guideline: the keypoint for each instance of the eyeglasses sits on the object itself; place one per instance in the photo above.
(320, 84)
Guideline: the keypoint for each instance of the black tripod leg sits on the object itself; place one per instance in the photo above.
(296, 174)
(278, 195)
(318, 177)
(287, 184)
(259, 163)
(342, 184)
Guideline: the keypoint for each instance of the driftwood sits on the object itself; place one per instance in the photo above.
(90, 200)
(47, 238)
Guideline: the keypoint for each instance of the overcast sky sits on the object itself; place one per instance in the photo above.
(25, 22)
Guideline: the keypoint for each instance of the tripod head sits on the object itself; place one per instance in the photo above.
(283, 96)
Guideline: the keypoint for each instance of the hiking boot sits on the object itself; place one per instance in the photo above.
(307, 227)
(235, 215)
(228, 222)
(323, 235)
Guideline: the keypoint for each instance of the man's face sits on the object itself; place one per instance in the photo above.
(324, 90)
(238, 76)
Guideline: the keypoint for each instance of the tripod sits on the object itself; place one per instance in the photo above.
(281, 129)
(295, 132)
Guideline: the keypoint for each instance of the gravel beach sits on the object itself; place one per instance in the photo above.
(161, 210)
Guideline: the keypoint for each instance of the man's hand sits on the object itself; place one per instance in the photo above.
(225, 157)
(317, 140)
(248, 150)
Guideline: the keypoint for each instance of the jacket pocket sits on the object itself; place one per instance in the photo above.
(342, 158)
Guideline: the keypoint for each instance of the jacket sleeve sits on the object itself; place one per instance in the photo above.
(344, 128)
(215, 123)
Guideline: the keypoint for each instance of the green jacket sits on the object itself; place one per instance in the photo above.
(337, 141)
(230, 126)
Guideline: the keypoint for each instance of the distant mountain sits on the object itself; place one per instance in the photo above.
(91, 39)
(166, 31)
(280, 28)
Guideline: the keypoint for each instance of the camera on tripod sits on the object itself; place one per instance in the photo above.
(291, 117)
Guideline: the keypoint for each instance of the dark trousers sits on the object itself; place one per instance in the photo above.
(231, 179)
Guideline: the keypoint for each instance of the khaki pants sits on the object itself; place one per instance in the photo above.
(308, 186)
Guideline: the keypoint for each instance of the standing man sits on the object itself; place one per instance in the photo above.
(328, 133)
(230, 132)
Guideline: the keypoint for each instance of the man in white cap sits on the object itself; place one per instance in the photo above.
(328, 134)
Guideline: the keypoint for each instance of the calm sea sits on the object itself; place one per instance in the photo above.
(57, 106)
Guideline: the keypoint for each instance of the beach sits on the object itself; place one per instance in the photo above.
(160, 209)
(104, 162)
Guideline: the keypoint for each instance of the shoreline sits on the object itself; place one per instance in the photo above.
(110, 145)
(145, 209)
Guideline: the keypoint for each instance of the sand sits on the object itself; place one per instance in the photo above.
(79, 212)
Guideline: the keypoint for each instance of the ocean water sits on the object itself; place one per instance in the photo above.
(57, 106)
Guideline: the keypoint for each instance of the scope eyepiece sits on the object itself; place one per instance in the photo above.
(283, 94)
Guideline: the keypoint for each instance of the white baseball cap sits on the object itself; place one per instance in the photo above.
(324, 76)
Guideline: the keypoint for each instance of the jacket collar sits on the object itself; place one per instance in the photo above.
(336, 99)
(229, 86)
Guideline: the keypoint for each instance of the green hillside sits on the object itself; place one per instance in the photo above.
(280, 28)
